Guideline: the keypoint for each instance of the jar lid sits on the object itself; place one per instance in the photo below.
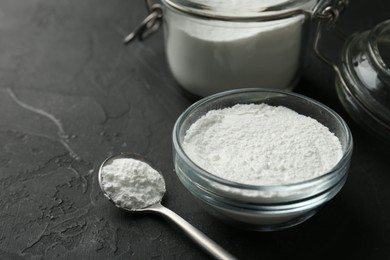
(239, 9)
(365, 78)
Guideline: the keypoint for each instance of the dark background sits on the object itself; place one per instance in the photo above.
(71, 94)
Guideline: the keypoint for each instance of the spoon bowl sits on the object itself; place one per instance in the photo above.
(159, 186)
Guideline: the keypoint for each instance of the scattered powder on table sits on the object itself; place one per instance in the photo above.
(258, 144)
(132, 184)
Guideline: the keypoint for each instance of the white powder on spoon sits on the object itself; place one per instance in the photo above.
(132, 184)
(258, 144)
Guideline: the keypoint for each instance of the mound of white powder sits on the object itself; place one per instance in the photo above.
(131, 183)
(258, 144)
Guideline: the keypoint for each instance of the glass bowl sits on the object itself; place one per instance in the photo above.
(263, 208)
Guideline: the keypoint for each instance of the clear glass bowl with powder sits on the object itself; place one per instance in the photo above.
(261, 207)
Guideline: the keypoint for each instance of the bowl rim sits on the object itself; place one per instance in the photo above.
(292, 186)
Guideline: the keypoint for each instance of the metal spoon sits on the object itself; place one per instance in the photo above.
(200, 238)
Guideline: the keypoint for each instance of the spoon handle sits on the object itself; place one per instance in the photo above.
(209, 245)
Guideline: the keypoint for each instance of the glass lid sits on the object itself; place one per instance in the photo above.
(371, 63)
(380, 48)
(379, 43)
(366, 71)
(230, 9)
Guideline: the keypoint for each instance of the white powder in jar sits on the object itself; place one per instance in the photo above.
(258, 144)
(236, 8)
(210, 56)
(131, 183)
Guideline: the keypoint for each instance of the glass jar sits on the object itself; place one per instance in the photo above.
(363, 82)
(215, 45)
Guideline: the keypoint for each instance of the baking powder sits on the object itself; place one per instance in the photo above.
(132, 184)
(210, 56)
(258, 144)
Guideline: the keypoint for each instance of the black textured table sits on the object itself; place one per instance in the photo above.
(71, 94)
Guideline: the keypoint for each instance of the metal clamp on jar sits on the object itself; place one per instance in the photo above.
(213, 46)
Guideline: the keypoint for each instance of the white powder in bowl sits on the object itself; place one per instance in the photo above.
(132, 184)
(258, 144)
